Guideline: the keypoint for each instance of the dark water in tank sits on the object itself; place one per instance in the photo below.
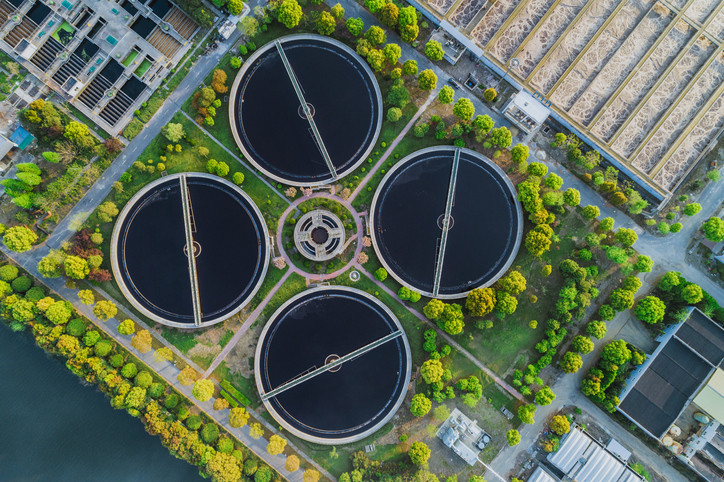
(344, 101)
(156, 266)
(409, 209)
(56, 429)
(333, 404)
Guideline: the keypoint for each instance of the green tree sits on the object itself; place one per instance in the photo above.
(434, 50)
(519, 153)
(506, 304)
(692, 294)
(289, 13)
(76, 267)
(381, 274)
(582, 344)
(560, 424)
(203, 390)
(501, 137)
(514, 283)
(513, 437)
(644, 264)
(572, 197)
(627, 237)
(692, 208)
(537, 243)
(337, 11)
(545, 396)
(452, 319)
(409, 67)
(235, 7)
(355, 26)
(419, 453)
(394, 114)
(126, 327)
(107, 211)
(420, 405)
(431, 371)
(621, 299)
(427, 80)
(238, 417)
(526, 413)
(571, 362)
(75, 130)
(59, 312)
(374, 5)
(23, 310)
(142, 341)
(392, 52)
(446, 95)
(433, 309)
(591, 212)
(50, 266)
(326, 23)
(375, 35)
(596, 329)
(464, 109)
(616, 352)
(105, 310)
(174, 132)
(19, 238)
(650, 310)
(480, 301)
(276, 445)
(606, 224)
(713, 229)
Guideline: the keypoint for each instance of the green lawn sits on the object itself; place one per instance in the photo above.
(247, 386)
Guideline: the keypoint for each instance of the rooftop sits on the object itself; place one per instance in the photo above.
(664, 386)
(463, 436)
(583, 459)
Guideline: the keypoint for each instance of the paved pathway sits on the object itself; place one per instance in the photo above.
(130, 154)
(246, 325)
(169, 371)
(447, 337)
(280, 241)
(391, 148)
(235, 156)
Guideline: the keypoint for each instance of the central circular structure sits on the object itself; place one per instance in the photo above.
(150, 249)
(319, 235)
(479, 209)
(332, 365)
(340, 94)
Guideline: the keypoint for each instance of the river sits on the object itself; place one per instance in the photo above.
(54, 428)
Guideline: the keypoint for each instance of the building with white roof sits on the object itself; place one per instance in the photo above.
(583, 459)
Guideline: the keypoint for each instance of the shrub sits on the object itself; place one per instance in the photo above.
(170, 401)
(116, 360)
(210, 433)
(129, 370)
(193, 422)
(102, 348)
(21, 284)
(143, 379)
(8, 272)
(75, 327)
(156, 390)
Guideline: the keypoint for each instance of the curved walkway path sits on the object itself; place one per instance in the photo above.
(293, 207)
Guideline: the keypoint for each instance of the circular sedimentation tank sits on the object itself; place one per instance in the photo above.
(272, 128)
(332, 365)
(150, 246)
(444, 227)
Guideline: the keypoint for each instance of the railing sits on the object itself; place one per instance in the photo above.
(307, 111)
(189, 229)
(331, 365)
(446, 222)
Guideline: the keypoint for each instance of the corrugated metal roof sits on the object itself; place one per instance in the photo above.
(583, 459)
(540, 475)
